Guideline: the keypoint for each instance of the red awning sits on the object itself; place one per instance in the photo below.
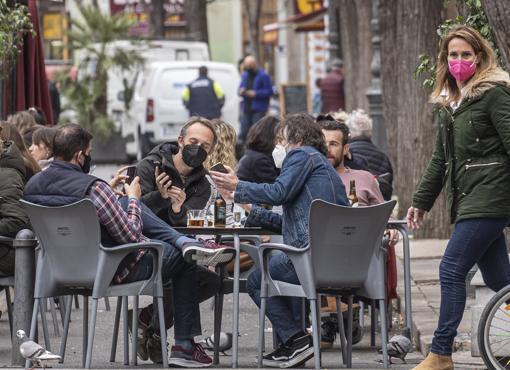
(30, 86)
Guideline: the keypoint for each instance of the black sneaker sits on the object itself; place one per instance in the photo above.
(295, 351)
(207, 253)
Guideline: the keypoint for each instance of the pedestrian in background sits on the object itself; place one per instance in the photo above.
(471, 161)
(256, 89)
(204, 97)
(332, 88)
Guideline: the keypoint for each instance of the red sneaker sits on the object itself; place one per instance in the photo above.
(189, 358)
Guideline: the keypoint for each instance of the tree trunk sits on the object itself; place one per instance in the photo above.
(498, 14)
(196, 18)
(356, 41)
(157, 19)
(409, 118)
(253, 14)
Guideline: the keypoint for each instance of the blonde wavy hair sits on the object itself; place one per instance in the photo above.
(225, 149)
(485, 64)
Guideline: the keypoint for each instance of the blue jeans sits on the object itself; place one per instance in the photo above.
(283, 312)
(247, 120)
(180, 279)
(480, 241)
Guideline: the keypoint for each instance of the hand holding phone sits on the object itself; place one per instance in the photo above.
(219, 167)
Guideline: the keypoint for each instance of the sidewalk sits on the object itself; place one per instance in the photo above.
(425, 258)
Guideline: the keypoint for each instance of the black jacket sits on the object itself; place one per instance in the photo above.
(196, 186)
(12, 182)
(378, 162)
(257, 167)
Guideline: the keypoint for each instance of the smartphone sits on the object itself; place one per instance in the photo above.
(218, 167)
(130, 173)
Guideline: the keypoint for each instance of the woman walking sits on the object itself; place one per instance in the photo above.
(471, 162)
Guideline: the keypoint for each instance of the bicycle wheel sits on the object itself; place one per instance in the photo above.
(494, 331)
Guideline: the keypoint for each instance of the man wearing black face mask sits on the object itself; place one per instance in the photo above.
(172, 177)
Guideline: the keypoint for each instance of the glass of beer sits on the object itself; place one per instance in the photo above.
(196, 218)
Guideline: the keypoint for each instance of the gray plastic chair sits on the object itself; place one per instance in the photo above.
(73, 261)
(343, 258)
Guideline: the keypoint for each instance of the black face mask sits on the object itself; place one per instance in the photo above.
(85, 167)
(193, 155)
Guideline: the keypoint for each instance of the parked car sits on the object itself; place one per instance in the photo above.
(158, 113)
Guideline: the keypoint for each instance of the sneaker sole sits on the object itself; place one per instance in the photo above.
(303, 355)
(209, 257)
(299, 359)
(182, 362)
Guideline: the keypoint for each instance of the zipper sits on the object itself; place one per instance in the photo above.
(468, 166)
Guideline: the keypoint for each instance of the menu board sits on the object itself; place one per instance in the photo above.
(294, 98)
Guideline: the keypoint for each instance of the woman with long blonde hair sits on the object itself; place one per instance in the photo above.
(225, 149)
(471, 161)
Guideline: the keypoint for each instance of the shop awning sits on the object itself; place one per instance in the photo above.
(312, 21)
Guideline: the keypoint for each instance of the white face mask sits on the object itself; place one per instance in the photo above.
(279, 153)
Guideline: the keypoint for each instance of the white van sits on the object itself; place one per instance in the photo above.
(158, 113)
(151, 51)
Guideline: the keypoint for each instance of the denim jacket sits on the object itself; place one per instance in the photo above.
(306, 175)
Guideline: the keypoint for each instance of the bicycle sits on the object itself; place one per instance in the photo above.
(494, 331)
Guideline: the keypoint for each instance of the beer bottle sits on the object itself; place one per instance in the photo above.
(353, 198)
(220, 211)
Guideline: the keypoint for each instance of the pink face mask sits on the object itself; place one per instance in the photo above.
(461, 69)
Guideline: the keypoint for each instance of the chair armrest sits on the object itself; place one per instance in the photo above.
(130, 247)
(282, 247)
(301, 260)
(111, 258)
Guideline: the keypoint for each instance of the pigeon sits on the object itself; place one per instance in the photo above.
(225, 342)
(399, 346)
(33, 351)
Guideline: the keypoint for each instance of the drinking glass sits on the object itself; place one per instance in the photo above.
(196, 218)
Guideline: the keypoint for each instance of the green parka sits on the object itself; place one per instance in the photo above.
(12, 182)
(471, 159)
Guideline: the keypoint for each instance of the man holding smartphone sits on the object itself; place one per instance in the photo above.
(172, 176)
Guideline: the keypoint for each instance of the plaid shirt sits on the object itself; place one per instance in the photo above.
(124, 227)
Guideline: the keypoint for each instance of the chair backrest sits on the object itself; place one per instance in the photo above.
(343, 241)
(70, 238)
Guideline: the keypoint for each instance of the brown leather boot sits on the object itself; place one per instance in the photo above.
(435, 362)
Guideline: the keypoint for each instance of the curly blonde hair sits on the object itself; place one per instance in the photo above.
(225, 149)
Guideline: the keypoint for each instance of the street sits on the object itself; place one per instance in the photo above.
(364, 357)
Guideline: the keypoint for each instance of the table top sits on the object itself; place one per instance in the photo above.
(205, 230)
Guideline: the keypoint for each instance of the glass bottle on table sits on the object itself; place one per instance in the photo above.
(220, 211)
(353, 198)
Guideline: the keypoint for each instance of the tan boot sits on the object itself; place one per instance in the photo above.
(435, 362)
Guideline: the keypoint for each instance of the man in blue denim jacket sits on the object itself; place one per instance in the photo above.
(306, 175)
